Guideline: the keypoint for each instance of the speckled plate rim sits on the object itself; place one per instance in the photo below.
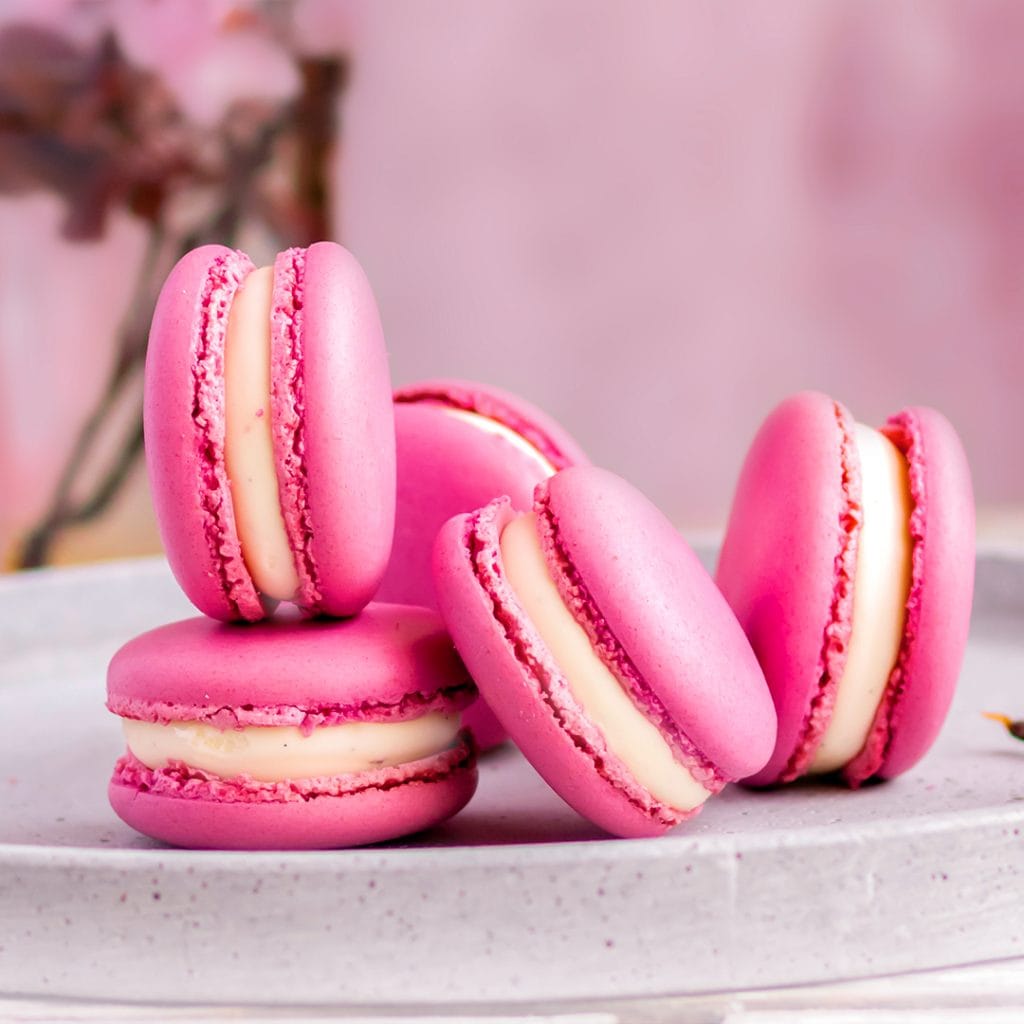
(538, 854)
(645, 918)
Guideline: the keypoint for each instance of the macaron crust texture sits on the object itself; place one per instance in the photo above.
(269, 432)
(460, 445)
(849, 561)
(291, 734)
(605, 650)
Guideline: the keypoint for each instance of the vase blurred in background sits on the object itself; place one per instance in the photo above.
(131, 132)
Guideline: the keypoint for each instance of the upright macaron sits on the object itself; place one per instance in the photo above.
(291, 735)
(460, 445)
(269, 432)
(605, 650)
(849, 561)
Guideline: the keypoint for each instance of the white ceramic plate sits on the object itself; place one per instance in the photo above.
(517, 900)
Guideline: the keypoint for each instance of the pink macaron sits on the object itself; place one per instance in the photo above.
(605, 650)
(849, 561)
(269, 432)
(460, 445)
(290, 734)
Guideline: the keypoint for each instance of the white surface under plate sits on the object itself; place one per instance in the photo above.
(516, 901)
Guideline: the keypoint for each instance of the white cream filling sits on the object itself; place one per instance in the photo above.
(630, 735)
(519, 442)
(277, 753)
(248, 442)
(881, 584)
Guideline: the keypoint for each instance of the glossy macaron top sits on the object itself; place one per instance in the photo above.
(392, 662)
(788, 564)
(654, 612)
(333, 431)
(652, 616)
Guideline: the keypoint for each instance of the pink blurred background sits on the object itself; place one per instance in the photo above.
(654, 220)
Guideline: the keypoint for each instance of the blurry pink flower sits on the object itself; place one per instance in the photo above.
(209, 54)
(77, 21)
(325, 27)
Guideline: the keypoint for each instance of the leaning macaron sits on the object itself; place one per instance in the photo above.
(849, 561)
(291, 735)
(459, 446)
(605, 650)
(269, 432)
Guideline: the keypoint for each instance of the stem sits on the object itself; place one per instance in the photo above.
(37, 547)
(323, 81)
(131, 353)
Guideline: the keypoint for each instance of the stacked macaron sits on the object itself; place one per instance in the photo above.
(451, 534)
(291, 734)
(271, 449)
(269, 434)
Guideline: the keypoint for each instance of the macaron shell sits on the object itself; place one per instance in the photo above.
(389, 657)
(288, 420)
(319, 822)
(191, 495)
(939, 605)
(491, 656)
(786, 533)
(445, 466)
(661, 606)
(349, 430)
